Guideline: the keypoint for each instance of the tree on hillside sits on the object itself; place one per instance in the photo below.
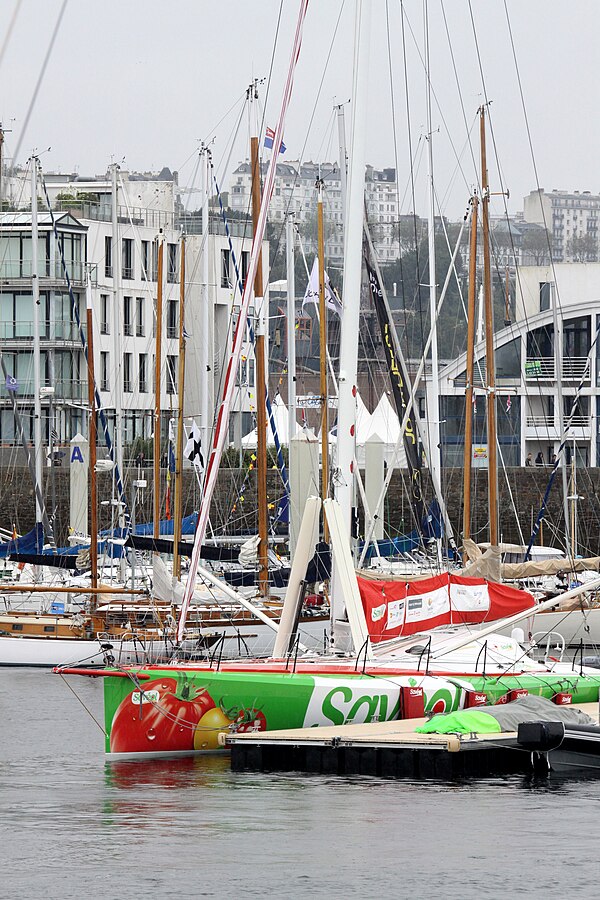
(536, 246)
(583, 248)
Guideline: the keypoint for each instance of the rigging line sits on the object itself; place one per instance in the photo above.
(437, 103)
(270, 75)
(307, 133)
(557, 304)
(418, 296)
(460, 95)
(39, 81)
(396, 158)
(211, 131)
(9, 30)
(266, 399)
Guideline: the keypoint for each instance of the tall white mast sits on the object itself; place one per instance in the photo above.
(205, 366)
(433, 388)
(344, 488)
(35, 290)
(291, 324)
(116, 324)
(343, 158)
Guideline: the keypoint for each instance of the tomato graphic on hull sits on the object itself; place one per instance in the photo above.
(249, 720)
(161, 717)
(211, 725)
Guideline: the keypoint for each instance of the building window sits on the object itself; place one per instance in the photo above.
(245, 264)
(104, 314)
(104, 363)
(127, 386)
(127, 322)
(146, 259)
(225, 265)
(545, 295)
(127, 246)
(171, 374)
(143, 372)
(140, 325)
(172, 323)
(108, 267)
(172, 263)
(154, 260)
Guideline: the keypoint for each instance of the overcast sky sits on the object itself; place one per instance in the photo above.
(144, 81)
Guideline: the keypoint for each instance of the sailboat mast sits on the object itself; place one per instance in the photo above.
(205, 363)
(178, 510)
(291, 325)
(433, 388)
(35, 290)
(468, 454)
(323, 353)
(92, 437)
(157, 373)
(489, 342)
(261, 388)
(346, 431)
(117, 363)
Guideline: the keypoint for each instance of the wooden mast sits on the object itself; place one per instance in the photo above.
(323, 354)
(92, 435)
(489, 343)
(178, 506)
(261, 387)
(470, 368)
(157, 372)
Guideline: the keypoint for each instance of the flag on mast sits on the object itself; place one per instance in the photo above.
(311, 294)
(193, 448)
(270, 138)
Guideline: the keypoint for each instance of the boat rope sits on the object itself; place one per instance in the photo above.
(87, 709)
(82, 337)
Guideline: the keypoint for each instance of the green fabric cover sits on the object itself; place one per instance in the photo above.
(463, 721)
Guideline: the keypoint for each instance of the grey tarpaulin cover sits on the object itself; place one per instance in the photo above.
(535, 709)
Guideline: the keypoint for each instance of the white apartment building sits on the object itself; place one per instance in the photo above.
(295, 192)
(567, 216)
(124, 277)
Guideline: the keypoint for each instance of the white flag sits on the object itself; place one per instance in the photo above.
(311, 295)
(193, 450)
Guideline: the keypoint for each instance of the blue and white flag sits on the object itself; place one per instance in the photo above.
(270, 138)
(11, 383)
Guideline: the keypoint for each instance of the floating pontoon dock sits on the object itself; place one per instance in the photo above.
(386, 749)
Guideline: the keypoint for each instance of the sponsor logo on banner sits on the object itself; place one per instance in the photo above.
(362, 700)
(395, 613)
(378, 612)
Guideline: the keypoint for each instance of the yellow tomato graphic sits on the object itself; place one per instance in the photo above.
(211, 725)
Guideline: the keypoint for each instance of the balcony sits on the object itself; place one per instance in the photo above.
(55, 332)
(64, 389)
(16, 270)
(541, 368)
(544, 427)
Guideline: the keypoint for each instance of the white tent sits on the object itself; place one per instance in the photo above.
(363, 424)
(282, 424)
(385, 425)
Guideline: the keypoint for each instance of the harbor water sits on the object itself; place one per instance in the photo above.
(73, 825)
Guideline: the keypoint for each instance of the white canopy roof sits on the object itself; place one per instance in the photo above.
(282, 420)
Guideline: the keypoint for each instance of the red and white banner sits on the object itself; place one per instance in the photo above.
(395, 608)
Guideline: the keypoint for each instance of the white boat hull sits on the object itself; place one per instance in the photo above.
(49, 652)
